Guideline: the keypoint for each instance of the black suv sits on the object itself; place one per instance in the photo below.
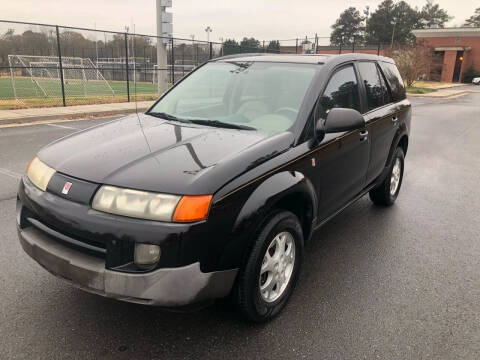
(218, 186)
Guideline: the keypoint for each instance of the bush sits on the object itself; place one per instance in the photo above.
(413, 61)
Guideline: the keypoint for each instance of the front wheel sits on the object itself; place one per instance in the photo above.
(386, 193)
(269, 275)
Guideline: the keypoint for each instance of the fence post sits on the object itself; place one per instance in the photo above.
(353, 44)
(183, 60)
(341, 43)
(316, 42)
(211, 50)
(126, 67)
(60, 65)
(296, 47)
(196, 54)
(172, 60)
(378, 49)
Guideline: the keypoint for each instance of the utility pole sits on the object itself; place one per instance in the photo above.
(161, 51)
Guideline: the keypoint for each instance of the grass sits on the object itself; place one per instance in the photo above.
(30, 94)
(419, 90)
(434, 84)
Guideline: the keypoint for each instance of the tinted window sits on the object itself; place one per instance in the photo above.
(394, 80)
(373, 84)
(341, 92)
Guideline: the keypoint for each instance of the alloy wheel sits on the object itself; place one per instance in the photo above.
(277, 266)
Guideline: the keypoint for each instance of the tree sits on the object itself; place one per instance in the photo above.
(474, 20)
(432, 15)
(249, 45)
(230, 47)
(348, 28)
(392, 23)
(273, 46)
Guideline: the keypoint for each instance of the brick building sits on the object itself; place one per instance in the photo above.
(455, 50)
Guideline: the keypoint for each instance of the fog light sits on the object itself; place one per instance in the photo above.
(146, 255)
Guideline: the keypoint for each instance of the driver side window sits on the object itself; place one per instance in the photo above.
(341, 92)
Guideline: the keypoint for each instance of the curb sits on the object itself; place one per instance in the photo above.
(71, 116)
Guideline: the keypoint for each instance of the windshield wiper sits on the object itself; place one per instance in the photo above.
(221, 124)
(166, 116)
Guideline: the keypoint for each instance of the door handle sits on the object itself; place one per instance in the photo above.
(363, 135)
(394, 119)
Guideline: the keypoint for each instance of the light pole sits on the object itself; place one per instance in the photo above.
(208, 30)
(393, 32)
(161, 52)
(366, 12)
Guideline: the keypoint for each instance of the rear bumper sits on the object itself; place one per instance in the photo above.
(163, 287)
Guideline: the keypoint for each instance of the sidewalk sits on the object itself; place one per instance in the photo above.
(70, 112)
(444, 93)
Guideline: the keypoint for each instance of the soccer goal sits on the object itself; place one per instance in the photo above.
(34, 76)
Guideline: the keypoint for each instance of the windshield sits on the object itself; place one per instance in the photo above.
(246, 95)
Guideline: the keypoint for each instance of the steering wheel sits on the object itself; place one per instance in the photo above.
(286, 111)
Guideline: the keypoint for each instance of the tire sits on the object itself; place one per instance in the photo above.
(386, 193)
(260, 306)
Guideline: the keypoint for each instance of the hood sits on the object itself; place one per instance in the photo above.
(147, 153)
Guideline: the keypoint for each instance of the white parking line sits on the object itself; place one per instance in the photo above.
(10, 173)
(62, 126)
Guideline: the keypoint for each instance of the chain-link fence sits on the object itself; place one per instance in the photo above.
(49, 65)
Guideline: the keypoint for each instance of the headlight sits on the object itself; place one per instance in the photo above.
(151, 206)
(135, 203)
(39, 173)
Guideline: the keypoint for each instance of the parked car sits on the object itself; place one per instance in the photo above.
(217, 188)
(476, 81)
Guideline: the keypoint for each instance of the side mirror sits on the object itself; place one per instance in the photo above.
(339, 120)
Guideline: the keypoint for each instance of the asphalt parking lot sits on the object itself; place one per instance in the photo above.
(396, 283)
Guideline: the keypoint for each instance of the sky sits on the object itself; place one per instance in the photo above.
(262, 19)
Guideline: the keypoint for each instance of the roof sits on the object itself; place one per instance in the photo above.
(447, 32)
(300, 58)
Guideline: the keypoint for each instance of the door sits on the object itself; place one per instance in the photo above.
(342, 159)
(380, 116)
(458, 66)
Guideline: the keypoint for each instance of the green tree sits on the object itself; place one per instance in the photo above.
(273, 46)
(474, 20)
(249, 45)
(432, 15)
(392, 22)
(348, 28)
(230, 46)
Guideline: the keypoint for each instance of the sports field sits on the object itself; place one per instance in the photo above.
(48, 92)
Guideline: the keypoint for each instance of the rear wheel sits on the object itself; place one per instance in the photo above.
(269, 275)
(386, 193)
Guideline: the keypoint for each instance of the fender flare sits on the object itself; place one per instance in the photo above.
(270, 192)
(401, 132)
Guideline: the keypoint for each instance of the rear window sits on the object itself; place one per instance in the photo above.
(394, 80)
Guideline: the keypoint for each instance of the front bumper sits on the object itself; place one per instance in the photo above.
(163, 287)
